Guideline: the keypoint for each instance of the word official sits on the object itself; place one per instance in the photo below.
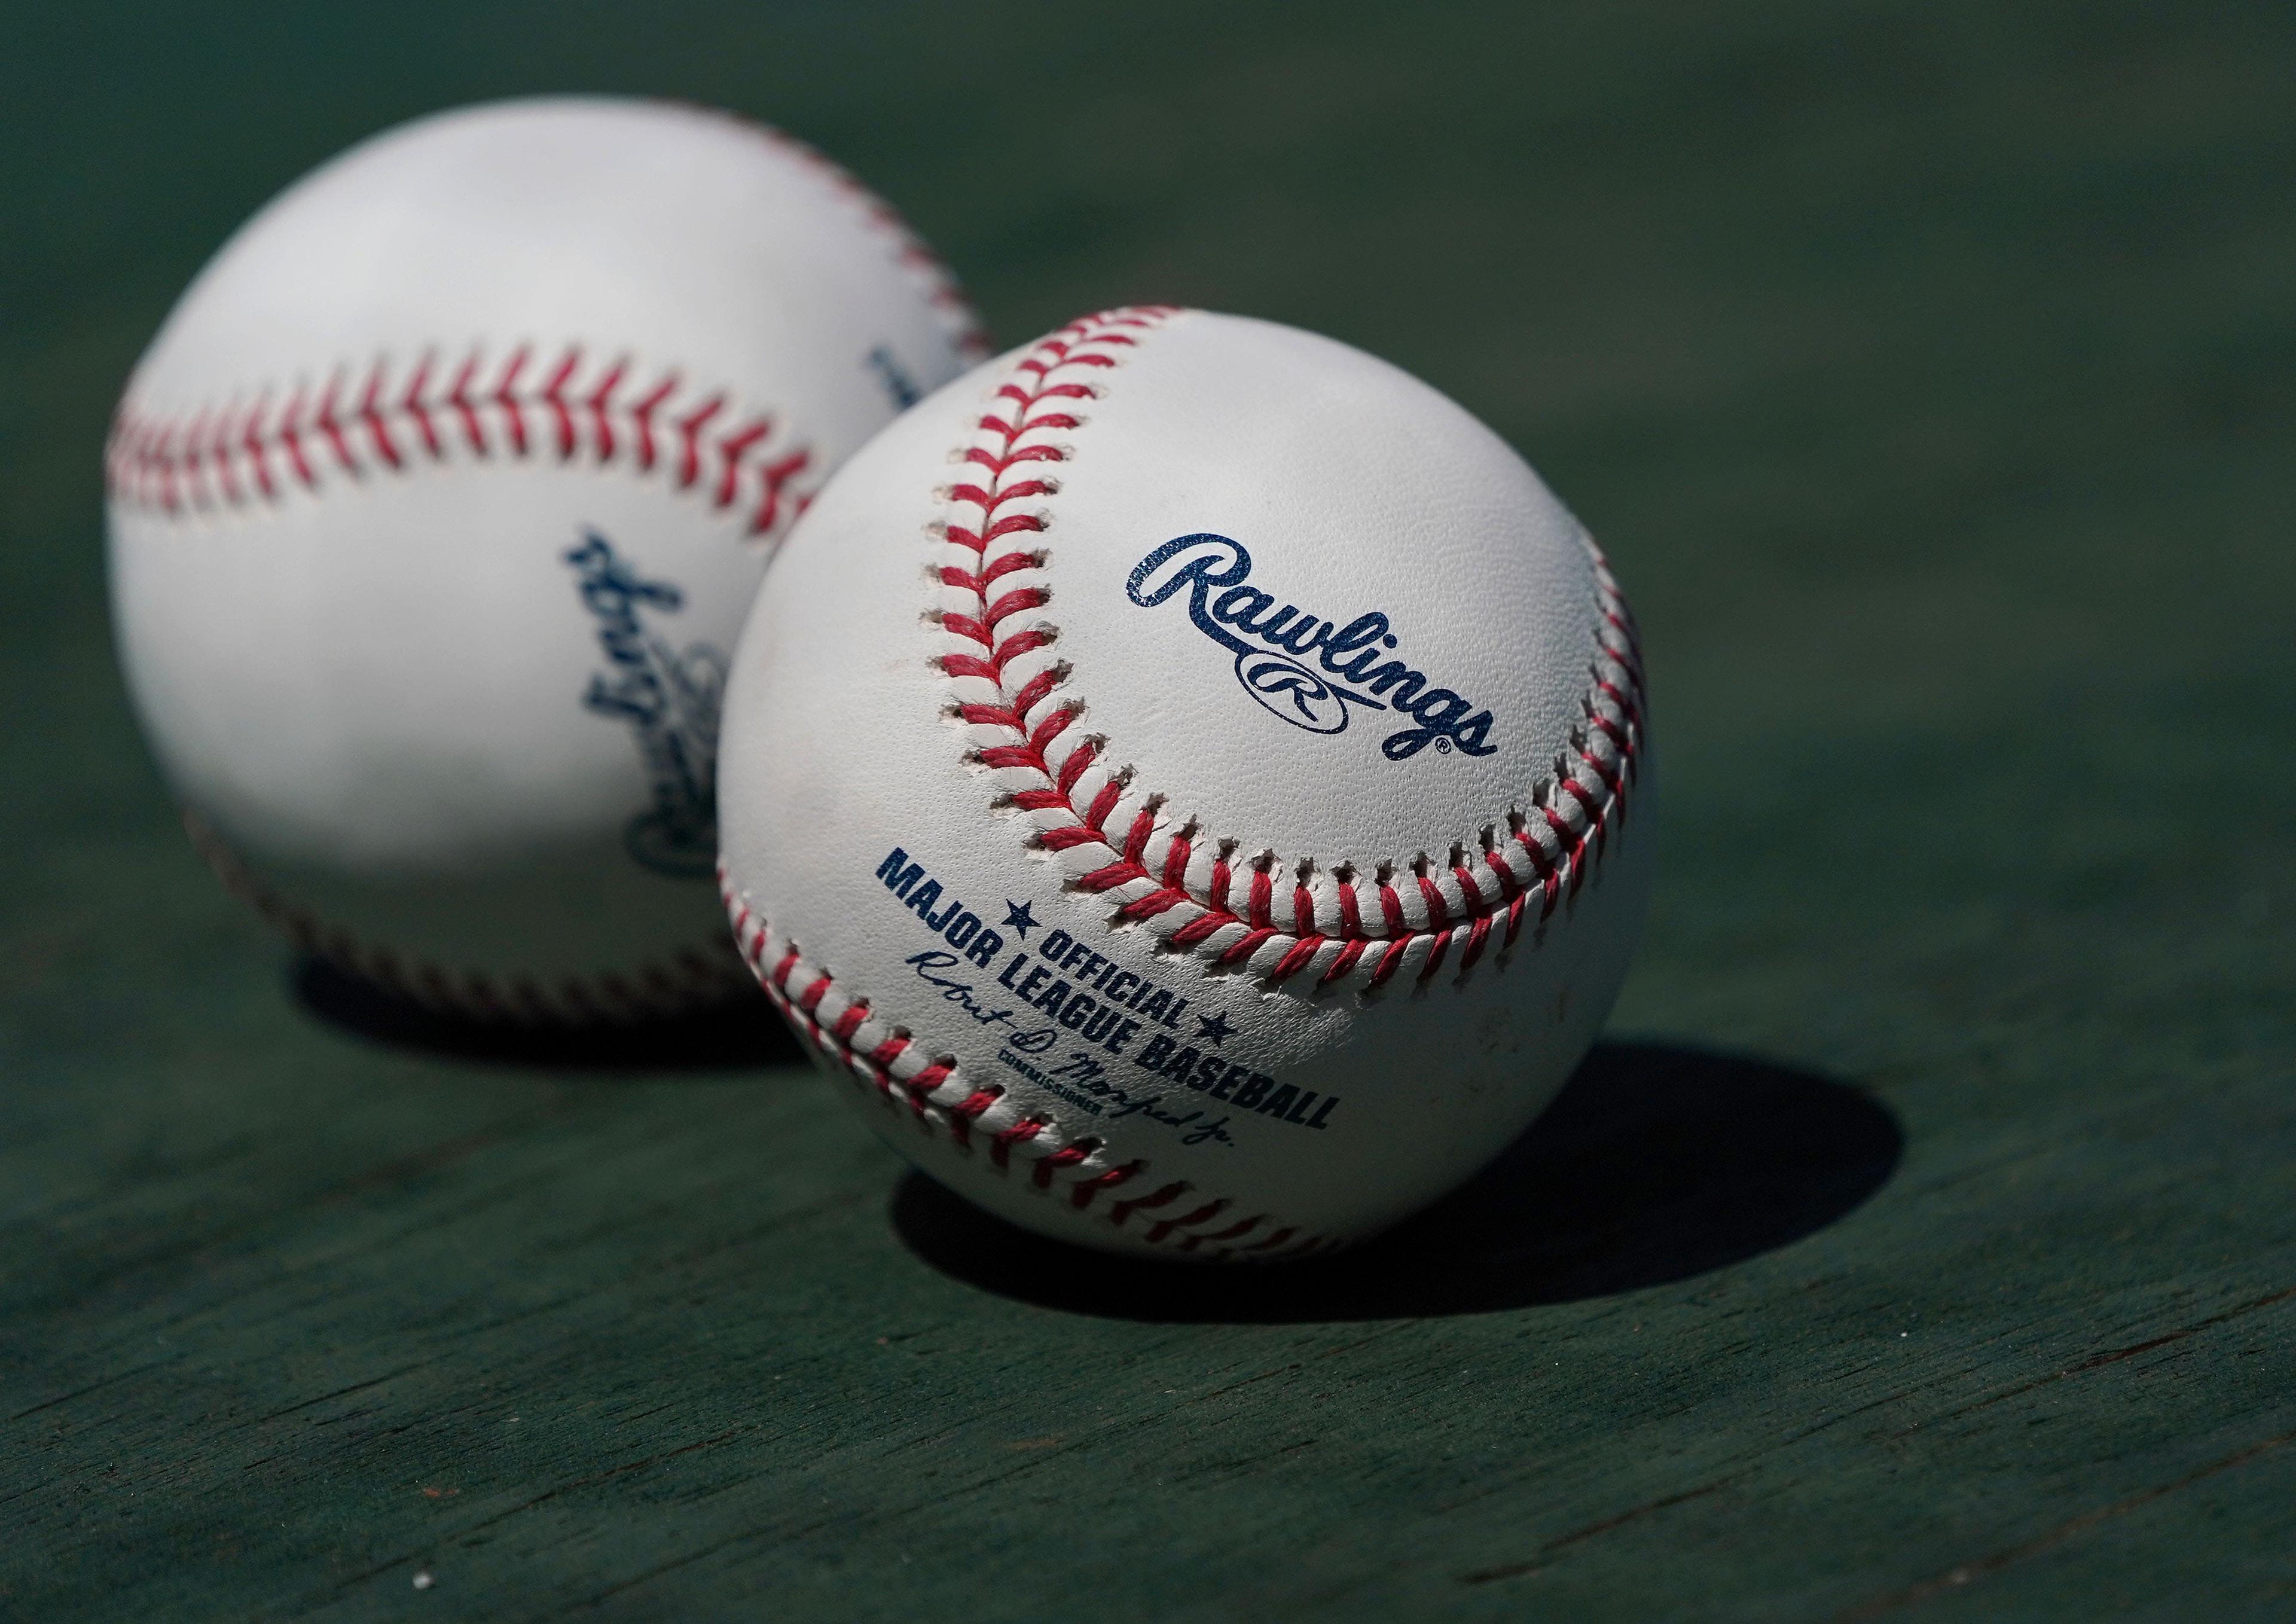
(1207, 1073)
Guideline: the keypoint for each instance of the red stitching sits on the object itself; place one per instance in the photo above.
(859, 1041)
(505, 396)
(326, 423)
(211, 460)
(1074, 799)
(413, 404)
(554, 396)
(693, 978)
(370, 414)
(458, 396)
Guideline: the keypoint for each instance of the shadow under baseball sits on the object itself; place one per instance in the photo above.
(742, 1032)
(1657, 1163)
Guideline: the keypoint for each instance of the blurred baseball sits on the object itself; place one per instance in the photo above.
(439, 498)
(1190, 779)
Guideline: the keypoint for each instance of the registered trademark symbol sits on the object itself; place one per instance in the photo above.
(1444, 745)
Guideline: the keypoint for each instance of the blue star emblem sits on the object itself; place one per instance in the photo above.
(1213, 1027)
(1018, 918)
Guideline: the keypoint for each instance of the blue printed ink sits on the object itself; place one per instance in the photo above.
(1272, 644)
(899, 388)
(670, 699)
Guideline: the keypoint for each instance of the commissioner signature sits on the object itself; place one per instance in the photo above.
(929, 962)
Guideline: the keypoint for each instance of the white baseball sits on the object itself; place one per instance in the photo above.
(439, 499)
(1189, 779)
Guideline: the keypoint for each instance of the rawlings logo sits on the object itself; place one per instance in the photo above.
(670, 701)
(1273, 647)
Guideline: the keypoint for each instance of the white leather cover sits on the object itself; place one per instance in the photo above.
(437, 503)
(1189, 780)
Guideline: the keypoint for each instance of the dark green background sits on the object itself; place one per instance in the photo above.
(1924, 1242)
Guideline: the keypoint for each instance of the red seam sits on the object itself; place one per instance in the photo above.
(211, 458)
(554, 396)
(998, 449)
(326, 423)
(775, 965)
(505, 396)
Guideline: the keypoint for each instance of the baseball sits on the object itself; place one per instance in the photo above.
(1189, 780)
(437, 503)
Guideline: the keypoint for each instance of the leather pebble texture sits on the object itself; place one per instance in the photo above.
(1189, 782)
(438, 500)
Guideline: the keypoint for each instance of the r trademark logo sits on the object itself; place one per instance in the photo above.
(1274, 645)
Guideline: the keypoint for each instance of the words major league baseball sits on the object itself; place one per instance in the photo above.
(1190, 778)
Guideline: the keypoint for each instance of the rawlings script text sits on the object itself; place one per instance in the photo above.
(1275, 644)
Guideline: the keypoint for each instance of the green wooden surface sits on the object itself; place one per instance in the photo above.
(1922, 1243)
